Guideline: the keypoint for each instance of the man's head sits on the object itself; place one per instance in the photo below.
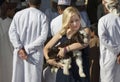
(113, 6)
(54, 5)
(35, 3)
(62, 5)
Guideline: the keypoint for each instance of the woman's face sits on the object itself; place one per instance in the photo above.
(74, 23)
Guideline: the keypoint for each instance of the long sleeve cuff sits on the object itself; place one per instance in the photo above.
(30, 50)
(18, 47)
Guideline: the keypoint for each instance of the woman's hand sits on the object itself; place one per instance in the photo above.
(54, 63)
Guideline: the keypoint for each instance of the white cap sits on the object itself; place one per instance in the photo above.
(64, 2)
(80, 2)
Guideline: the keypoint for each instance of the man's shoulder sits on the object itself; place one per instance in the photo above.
(22, 11)
(56, 19)
(28, 10)
(108, 17)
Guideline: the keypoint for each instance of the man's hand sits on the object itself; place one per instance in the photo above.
(118, 58)
(22, 54)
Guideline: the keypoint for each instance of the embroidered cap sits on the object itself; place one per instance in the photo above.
(64, 2)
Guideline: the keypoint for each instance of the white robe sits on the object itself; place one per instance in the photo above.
(56, 25)
(6, 51)
(28, 29)
(109, 34)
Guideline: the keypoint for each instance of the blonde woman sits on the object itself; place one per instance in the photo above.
(70, 26)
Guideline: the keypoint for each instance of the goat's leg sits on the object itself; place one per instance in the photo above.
(79, 64)
(66, 66)
(54, 69)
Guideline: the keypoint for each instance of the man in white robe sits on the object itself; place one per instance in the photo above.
(109, 34)
(6, 51)
(28, 32)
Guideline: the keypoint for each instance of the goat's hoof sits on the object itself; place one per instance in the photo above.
(82, 75)
(66, 73)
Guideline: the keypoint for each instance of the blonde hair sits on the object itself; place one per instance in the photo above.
(67, 14)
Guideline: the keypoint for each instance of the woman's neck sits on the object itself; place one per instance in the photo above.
(70, 33)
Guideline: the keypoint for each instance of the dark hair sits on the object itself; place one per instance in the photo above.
(1, 2)
(94, 28)
(63, 7)
(54, 5)
(35, 2)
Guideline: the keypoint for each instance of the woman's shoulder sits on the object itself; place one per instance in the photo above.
(60, 37)
(57, 36)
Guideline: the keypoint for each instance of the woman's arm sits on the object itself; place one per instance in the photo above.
(50, 44)
(74, 46)
(78, 45)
